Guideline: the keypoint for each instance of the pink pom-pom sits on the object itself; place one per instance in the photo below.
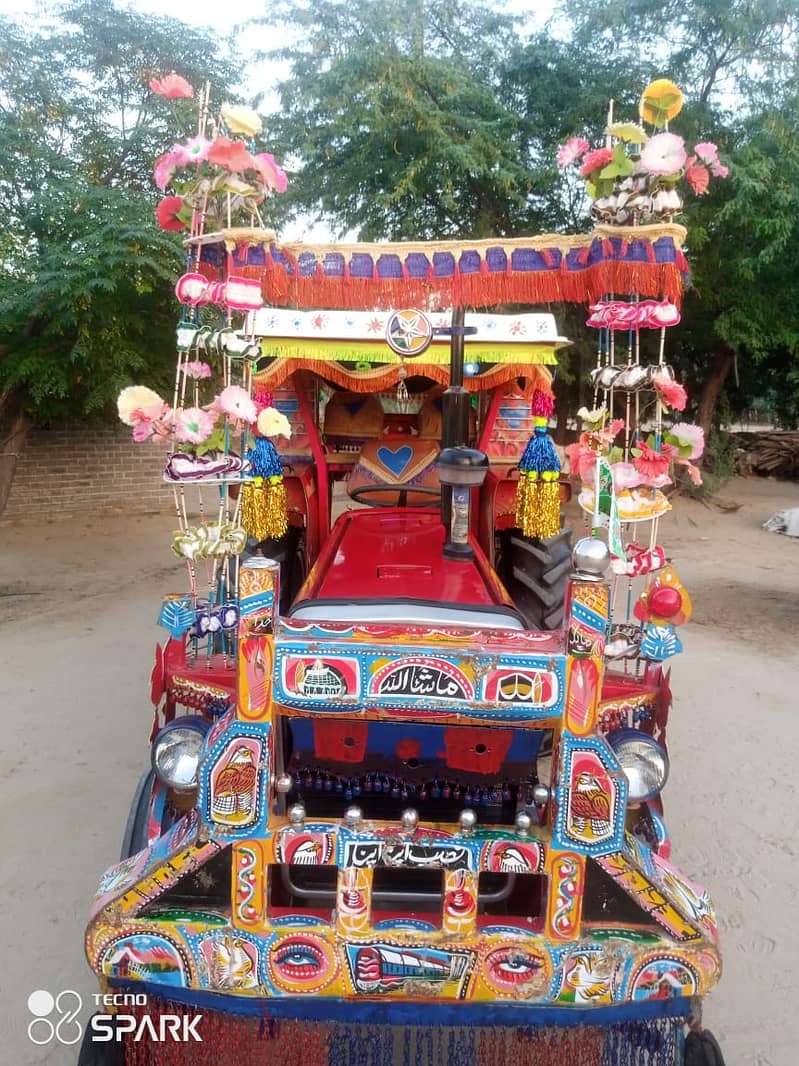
(542, 405)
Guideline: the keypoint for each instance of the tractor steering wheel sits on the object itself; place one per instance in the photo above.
(401, 490)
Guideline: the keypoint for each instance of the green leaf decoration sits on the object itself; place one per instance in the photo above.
(664, 102)
(216, 442)
(619, 167)
(629, 132)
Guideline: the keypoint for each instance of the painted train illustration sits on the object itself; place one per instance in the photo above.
(382, 967)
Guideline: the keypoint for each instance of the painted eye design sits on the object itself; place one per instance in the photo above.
(298, 962)
(518, 965)
(509, 968)
(302, 963)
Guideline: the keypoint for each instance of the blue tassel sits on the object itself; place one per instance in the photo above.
(265, 459)
(540, 454)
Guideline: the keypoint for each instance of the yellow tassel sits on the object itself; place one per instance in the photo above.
(548, 506)
(264, 509)
(538, 504)
(525, 494)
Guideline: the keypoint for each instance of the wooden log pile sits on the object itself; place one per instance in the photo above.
(768, 454)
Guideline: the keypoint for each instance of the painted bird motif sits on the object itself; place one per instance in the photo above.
(590, 807)
(234, 787)
(307, 853)
(589, 978)
(232, 966)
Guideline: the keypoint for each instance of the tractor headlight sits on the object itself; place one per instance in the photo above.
(644, 761)
(176, 752)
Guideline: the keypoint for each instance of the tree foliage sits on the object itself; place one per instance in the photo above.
(392, 111)
(85, 274)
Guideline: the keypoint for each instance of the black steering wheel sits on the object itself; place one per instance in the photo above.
(401, 490)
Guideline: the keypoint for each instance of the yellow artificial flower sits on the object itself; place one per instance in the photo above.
(272, 423)
(240, 119)
(137, 403)
(661, 101)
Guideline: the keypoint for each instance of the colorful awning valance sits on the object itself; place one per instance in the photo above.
(612, 260)
(380, 378)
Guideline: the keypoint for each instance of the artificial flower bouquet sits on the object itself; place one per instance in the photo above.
(214, 179)
(217, 427)
(640, 470)
(636, 177)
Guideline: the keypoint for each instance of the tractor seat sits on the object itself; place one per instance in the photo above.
(398, 465)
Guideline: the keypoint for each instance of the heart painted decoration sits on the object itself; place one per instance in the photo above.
(395, 459)
(514, 416)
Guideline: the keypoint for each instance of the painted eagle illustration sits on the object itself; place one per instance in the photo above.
(590, 806)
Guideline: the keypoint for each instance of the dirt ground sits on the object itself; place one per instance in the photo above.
(80, 600)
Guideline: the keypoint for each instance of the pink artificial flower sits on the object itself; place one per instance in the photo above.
(232, 155)
(697, 176)
(692, 471)
(167, 213)
(159, 426)
(652, 465)
(571, 151)
(197, 370)
(193, 425)
(671, 394)
(195, 150)
(718, 170)
(664, 154)
(236, 403)
(600, 157)
(581, 459)
(272, 176)
(172, 86)
(707, 152)
(164, 168)
(164, 426)
(615, 427)
(143, 430)
(625, 476)
(686, 433)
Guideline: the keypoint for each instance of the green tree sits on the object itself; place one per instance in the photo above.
(86, 276)
(393, 113)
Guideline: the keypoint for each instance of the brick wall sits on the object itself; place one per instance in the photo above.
(95, 468)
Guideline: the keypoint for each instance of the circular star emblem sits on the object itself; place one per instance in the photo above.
(409, 333)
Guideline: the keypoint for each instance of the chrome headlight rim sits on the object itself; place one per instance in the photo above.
(634, 751)
(189, 731)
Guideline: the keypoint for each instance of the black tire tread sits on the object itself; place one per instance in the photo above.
(535, 573)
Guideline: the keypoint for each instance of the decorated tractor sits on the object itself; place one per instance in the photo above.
(406, 765)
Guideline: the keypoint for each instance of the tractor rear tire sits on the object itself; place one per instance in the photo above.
(535, 573)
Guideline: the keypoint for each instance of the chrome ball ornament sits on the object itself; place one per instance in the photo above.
(353, 816)
(467, 820)
(541, 795)
(590, 558)
(297, 816)
(523, 823)
(409, 819)
(283, 783)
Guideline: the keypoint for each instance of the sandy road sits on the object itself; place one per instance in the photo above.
(78, 631)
